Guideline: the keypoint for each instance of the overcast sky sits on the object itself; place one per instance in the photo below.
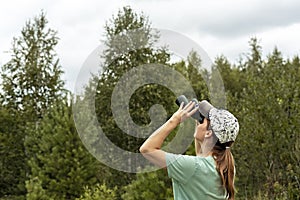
(218, 26)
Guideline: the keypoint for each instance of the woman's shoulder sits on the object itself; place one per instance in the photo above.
(207, 162)
(200, 160)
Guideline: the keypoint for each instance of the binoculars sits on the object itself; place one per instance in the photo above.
(197, 115)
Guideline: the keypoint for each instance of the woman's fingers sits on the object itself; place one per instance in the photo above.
(181, 105)
(193, 111)
(186, 111)
(190, 107)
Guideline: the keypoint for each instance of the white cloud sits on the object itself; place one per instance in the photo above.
(220, 27)
(229, 18)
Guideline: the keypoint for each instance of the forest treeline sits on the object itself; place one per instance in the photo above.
(42, 156)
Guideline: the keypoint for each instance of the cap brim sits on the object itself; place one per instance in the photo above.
(204, 108)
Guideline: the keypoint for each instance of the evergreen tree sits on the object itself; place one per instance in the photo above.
(269, 128)
(31, 80)
(233, 77)
(132, 31)
(35, 190)
(98, 192)
(31, 83)
(61, 166)
(12, 163)
(197, 75)
(152, 185)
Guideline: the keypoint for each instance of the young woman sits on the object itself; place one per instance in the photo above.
(209, 174)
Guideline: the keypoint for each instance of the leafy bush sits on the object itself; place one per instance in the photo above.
(98, 192)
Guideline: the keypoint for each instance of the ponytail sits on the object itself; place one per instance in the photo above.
(225, 166)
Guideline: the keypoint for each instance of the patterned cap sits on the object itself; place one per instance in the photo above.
(224, 125)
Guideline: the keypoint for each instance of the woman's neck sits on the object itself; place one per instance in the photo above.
(206, 148)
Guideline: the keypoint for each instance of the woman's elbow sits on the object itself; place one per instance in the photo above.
(143, 149)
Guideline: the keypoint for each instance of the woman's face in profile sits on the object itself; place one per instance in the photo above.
(201, 130)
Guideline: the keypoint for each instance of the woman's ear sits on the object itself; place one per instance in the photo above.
(208, 134)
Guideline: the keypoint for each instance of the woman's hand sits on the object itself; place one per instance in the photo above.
(184, 112)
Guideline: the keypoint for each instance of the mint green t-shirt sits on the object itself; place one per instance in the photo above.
(194, 177)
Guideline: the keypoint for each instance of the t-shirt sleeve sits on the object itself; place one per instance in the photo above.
(180, 167)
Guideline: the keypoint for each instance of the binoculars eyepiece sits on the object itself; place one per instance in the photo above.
(197, 115)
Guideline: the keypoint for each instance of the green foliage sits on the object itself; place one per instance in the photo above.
(35, 191)
(98, 192)
(61, 165)
(233, 77)
(122, 32)
(128, 31)
(30, 85)
(151, 185)
(269, 116)
(12, 197)
(196, 75)
(31, 79)
(12, 157)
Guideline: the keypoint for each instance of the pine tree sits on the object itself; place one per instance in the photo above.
(12, 163)
(151, 185)
(31, 80)
(97, 192)
(269, 127)
(31, 83)
(61, 166)
(197, 75)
